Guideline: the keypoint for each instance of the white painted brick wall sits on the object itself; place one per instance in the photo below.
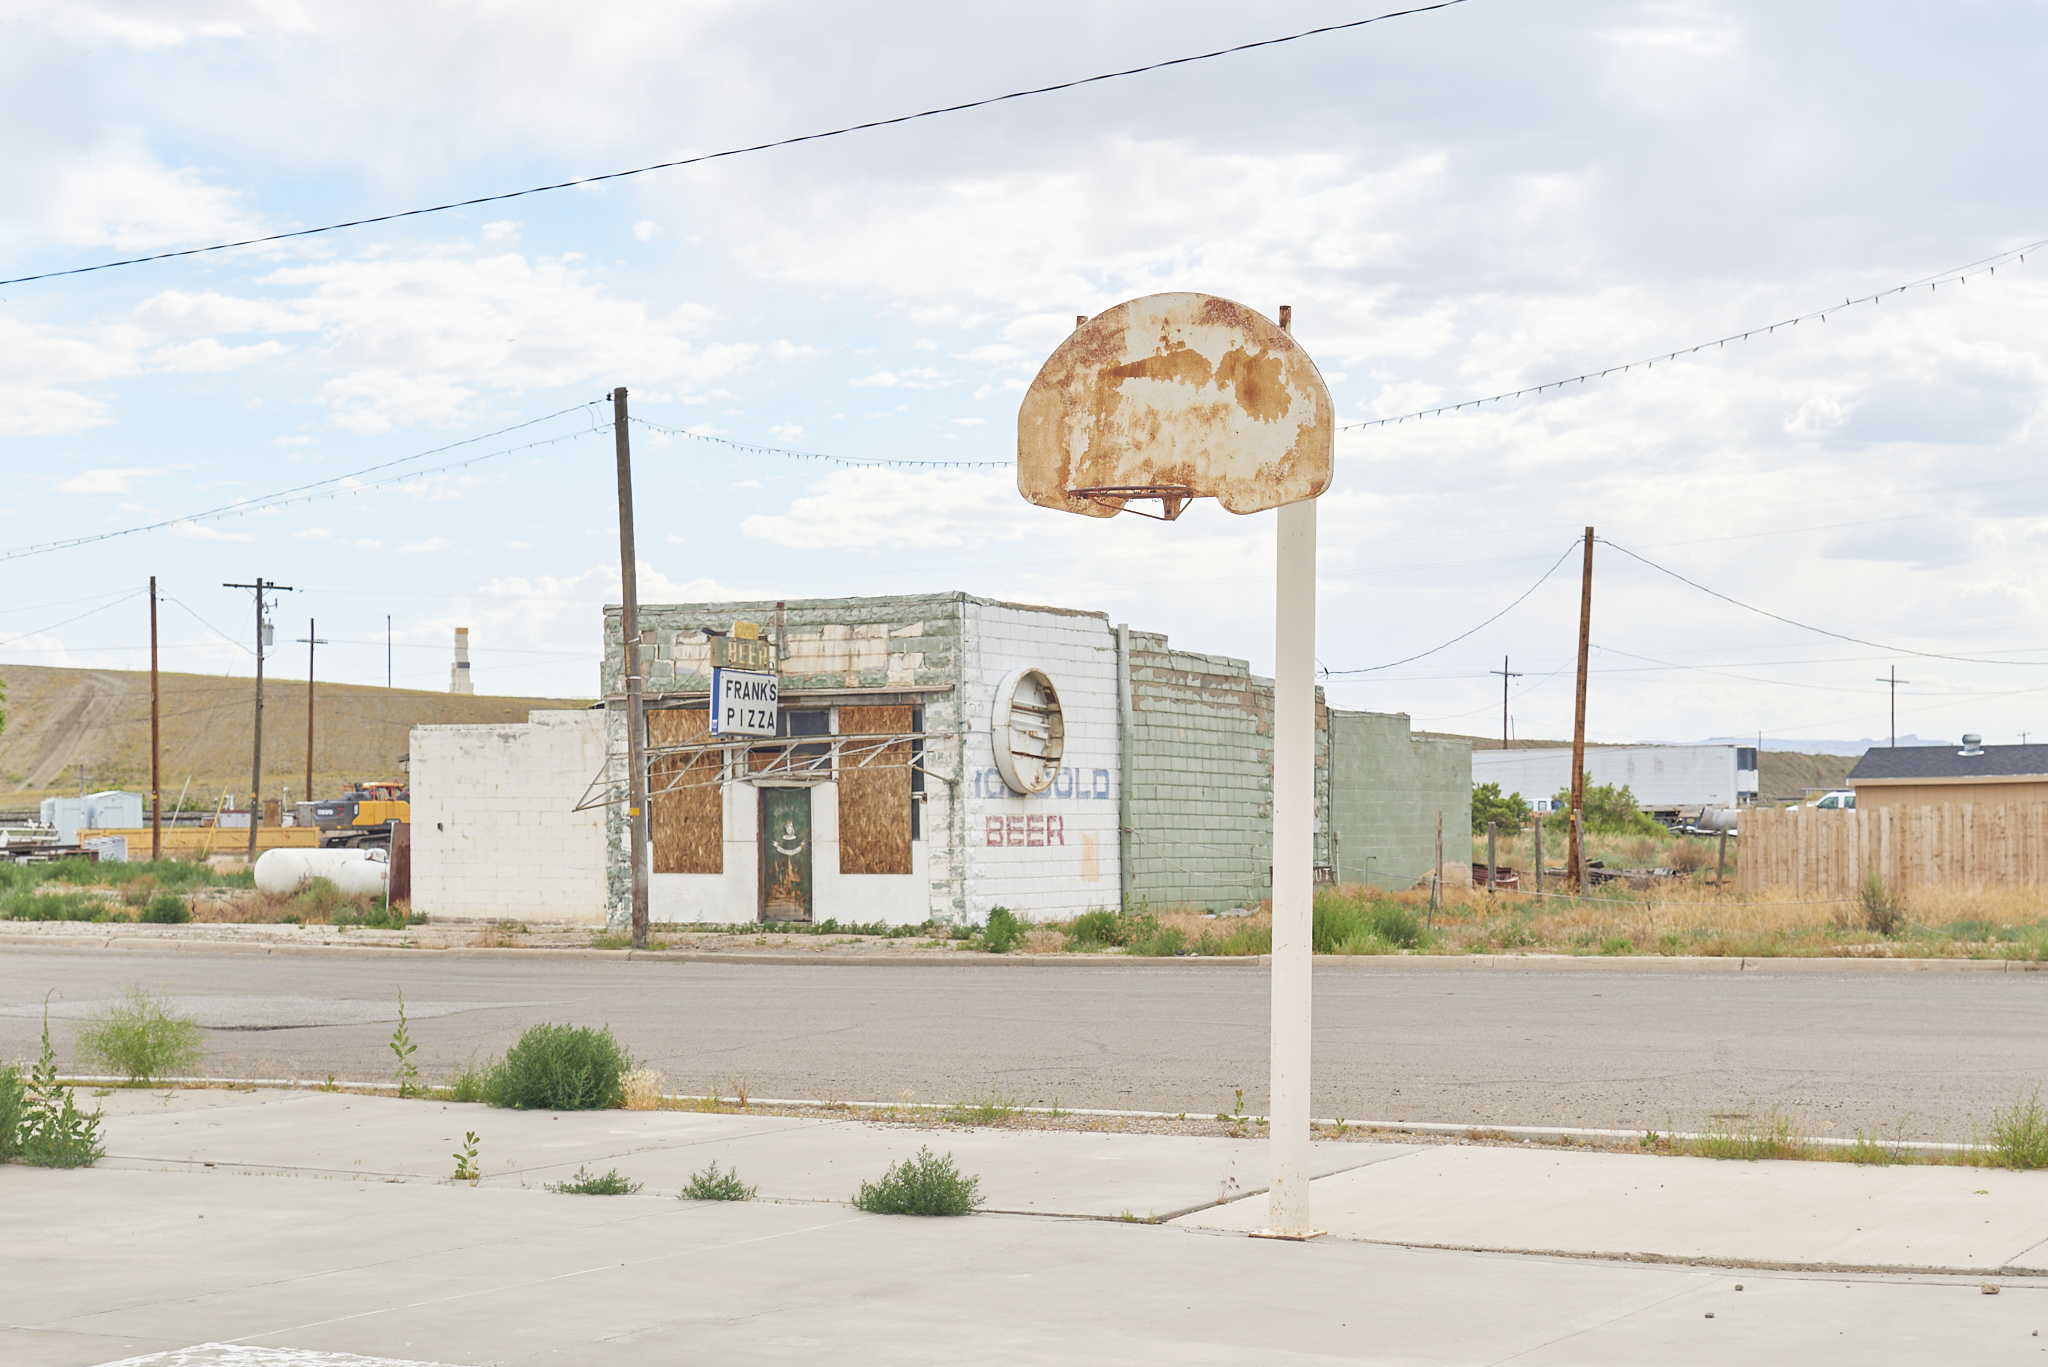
(1015, 857)
(494, 834)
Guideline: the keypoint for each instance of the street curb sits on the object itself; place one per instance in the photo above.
(965, 959)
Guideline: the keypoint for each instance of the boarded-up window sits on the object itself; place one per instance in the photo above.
(686, 825)
(874, 797)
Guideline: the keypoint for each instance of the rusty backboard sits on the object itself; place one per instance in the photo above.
(1173, 397)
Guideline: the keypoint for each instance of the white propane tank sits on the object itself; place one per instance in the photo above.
(354, 872)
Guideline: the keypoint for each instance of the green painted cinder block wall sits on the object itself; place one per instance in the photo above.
(1386, 788)
(1202, 785)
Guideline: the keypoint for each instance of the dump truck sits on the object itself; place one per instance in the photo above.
(363, 816)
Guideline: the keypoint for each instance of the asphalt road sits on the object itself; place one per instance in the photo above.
(1927, 1055)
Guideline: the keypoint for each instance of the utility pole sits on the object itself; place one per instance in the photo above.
(261, 586)
(156, 796)
(1504, 677)
(629, 642)
(1575, 852)
(1894, 680)
(309, 640)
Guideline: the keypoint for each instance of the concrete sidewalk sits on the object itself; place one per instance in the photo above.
(294, 1227)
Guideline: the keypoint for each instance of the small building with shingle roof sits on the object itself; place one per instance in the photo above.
(1928, 775)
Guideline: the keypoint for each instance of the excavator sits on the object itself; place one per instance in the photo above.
(362, 817)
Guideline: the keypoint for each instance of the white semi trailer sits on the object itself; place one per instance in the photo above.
(1677, 784)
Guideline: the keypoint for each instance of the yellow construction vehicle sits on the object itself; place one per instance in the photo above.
(363, 816)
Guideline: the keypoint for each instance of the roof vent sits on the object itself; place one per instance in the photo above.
(1972, 745)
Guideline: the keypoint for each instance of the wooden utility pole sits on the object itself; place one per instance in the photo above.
(629, 641)
(1436, 876)
(262, 586)
(1492, 835)
(1891, 679)
(1539, 854)
(156, 796)
(309, 640)
(1575, 852)
(1505, 675)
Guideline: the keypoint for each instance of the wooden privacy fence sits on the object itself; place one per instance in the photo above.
(1822, 853)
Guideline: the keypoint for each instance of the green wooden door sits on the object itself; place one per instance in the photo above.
(785, 854)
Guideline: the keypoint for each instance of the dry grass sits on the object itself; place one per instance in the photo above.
(642, 1089)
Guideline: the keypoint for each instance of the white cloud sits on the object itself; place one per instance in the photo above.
(426, 547)
(918, 378)
(786, 431)
(970, 422)
(504, 230)
(645, 229)
(314, 534)
(291, 441)
(118, 197)
(209, 356)
(863, 509)
(107, 481)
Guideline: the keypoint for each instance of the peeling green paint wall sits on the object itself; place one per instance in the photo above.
(1386, 788)
(1202, 778)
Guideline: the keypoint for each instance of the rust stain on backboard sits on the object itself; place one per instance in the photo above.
(1175, 396)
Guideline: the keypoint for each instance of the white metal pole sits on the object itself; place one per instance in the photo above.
(1294, 799)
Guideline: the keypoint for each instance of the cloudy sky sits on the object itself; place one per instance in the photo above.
(1456, 204)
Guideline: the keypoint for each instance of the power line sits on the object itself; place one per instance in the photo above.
(743, 151)
(1374, 669)
(848, 461)
(1803, 626)
(1958, 274)
(324, 488)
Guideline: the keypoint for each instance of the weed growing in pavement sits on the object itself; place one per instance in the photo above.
(13, 1101)
(739, 1090)
(1236, 1117)
(1003, 933)
(330, 1085)
(142, 1037)
(613, 939)
(53, 1132)
(713, 1185)
(924, 1185)
(407, 1074)
(464, 1084)
(2019, 1133)
(560, 1068)
(587, 1183)
(166, 909)
(466, 1169)
(989, 1110)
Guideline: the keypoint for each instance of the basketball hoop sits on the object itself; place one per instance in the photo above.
(1173, 498)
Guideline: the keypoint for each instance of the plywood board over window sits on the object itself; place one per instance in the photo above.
(874, 799)
(686, 827)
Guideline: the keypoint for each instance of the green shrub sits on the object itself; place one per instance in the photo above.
(1883, 910)
(587, 1183)
(923, 1185)
(1004, 931)
(560, 1068)
(13, 1100)
(167, 909)
(713, 1185)
(1488, 805)
(468, 1084)
(141, 1037)
(1095, 930)
(1609, 811)
(1148, 939)
(2019, 1133)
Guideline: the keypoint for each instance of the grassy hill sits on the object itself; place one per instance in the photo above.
(58, 719)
